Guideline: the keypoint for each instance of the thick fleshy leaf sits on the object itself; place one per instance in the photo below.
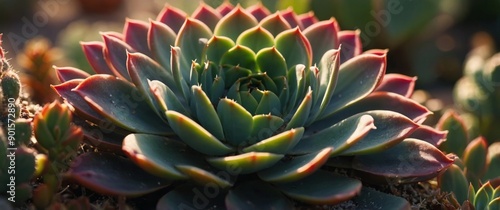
(301, 115)
(206, 177)
(351, 44)
(218, 46)
(115, 54)
(142, 69)
(241, 56)
(234, 23)
(482, 198)
(383, 101)
(340, 136)
(398, 83)
(94, 53)
(225, 8)
(322, 188)
(160, 38)
(136, 35)
(246, 163)
(120, 102)
(430, 135)
(166, 98)
(412, 160)
(294, 47)
(257, 195)
(357, 78)
(236, 121)
(323, 36)
(291, 18)
(327, 80)
(475, 156)
(275, 24)
(296, 168)
(372, 199)
(259, 11)
(279, 143)
(391, 128)
(457, 139)
(297, 84)
(264, 127)
(207, 15)
(195, 135)
(307, 19)
(269, 103)
(493, 162)
(454, 181)
(256, 38)
(207, 116)
(190, 196)
(189, 40)
(65, 74)
(159, 155)
(270, 61)
(110, 174)
(172, 17)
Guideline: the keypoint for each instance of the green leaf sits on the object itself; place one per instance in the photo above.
(195, 135)
(189, 39)
(340, 136)
(372, 199)
(256, 39)
(412, 160)
(322, 188)
(115, 54)
(296, 83)
(457, 133)
(189, 196)
(279, 143)
(159, 155)
(323, 37)
(257, 195)
(270, 61)
(357, 78)
(300, 116)
(275, 24)
(246, 163)
(240, 56)
(493, 161)
(264, 126)
(121, 103)
(180, 77)
(236, 121)
(207, 116)
(494, 204)
(160, 38)
(233, 73)
(248, 101)
(204, 177)
(296, 168)
(269, 103)
(25, 159)
(166, 98)
(110, 174)
(482, 197)
(294, 47)
(475, 156)
(235, 23)
(216, 47)
(327, 81)
(453, 180)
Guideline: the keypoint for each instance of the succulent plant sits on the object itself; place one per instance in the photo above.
(242, 108)
(477, 93)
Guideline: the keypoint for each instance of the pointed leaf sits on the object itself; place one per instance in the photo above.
(296, 168)
(189, 40)
(94, 52)
(430, 135)
(412, 160)
(172, 17)
(493, 162)
(160, 38)
(207, 15)
(264, 126)
(294, 47)
(216, 47)
(457, 133)
(195, 135)
(372, 199)
(234, 23)
(259, 11)
(136, 35)
(207, 116)
(351, 44)
(327, 81)
(248, 101)
(279, 143)
(121, 103)
(453, 180)
(340, 136)
(110, 174)
(159, 155)
(300, 116)
(256, 39)
(257, 195)
(475, 156)
(240, 56)
(275, 24)
(307, 19)
(246, 163)
(166, 98)
(270, 61)
(323, 36)
(398, 83)
(65, 74)
(322, 188)
(78, 102)
(291, 18)
(482, 198)
(115, 54)
(357, 78)
(236, 121)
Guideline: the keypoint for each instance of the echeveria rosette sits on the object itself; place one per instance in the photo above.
(243, 100)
